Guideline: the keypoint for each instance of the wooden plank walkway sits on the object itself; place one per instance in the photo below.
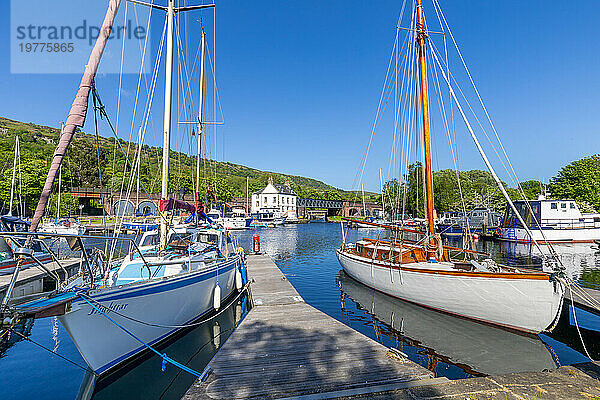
(285, 348)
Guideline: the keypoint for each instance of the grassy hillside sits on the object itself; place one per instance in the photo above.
(80, 168)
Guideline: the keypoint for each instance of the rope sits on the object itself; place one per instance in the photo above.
(244, 289)
(165, 359)
(49, 350)
(577, 325)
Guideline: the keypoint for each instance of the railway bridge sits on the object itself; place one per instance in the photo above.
(344, 208)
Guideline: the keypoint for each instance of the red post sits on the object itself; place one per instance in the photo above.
(256, 243)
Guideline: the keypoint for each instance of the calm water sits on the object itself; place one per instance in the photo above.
(449, 346)
(27, 371)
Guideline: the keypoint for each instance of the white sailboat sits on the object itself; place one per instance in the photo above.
(424, 273)
(69, 226)
(114, 311)
(15, 223)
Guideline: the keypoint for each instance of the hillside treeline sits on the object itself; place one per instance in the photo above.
(93, 165)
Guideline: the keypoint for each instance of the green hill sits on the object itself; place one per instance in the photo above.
(80, 168)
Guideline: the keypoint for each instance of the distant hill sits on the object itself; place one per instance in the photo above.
(80, 168)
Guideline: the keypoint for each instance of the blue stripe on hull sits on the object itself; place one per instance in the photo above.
(156, 289)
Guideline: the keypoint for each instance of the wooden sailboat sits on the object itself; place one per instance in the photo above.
(424, 273)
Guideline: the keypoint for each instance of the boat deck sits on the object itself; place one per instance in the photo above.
(286, 348)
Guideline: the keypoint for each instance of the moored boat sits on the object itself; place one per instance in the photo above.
(424, 271)
(549, 221)
(115, 308)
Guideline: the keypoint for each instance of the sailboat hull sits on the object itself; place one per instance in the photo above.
(172, 301)
(529, 305)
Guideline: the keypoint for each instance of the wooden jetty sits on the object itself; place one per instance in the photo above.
(33, 281)
(286, 348)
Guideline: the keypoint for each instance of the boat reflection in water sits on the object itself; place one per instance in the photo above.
(143, 378)
(476, 348)
(9, 339)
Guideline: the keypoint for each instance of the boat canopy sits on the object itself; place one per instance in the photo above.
(174, 204)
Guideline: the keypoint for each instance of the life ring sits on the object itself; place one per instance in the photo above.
(499, 231)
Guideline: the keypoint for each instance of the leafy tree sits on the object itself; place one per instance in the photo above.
(580, 181)
(69, 205)
(330, 194)
(532, 189)
(33, 175)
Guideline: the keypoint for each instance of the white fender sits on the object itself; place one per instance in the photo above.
(217, 297)
(238, 280)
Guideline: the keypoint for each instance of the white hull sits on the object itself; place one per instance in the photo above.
(176, 300)
(234, 223)
(563, 235)
(63, 230)
(528, 305)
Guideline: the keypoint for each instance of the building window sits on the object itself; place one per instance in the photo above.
(572, 205)
(274, 199)
(563, 205)
(554, 206)
(257, 203)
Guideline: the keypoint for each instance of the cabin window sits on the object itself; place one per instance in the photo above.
(150, 240)
(369, 253)
(572, 205)
(384, 256)
(554, 206)
(563, 205)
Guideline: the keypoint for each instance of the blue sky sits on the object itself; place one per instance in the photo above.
(299, 83)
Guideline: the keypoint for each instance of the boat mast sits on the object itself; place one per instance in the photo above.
(78, 110)
(200, 108)
(421, 39)
(59, 187)
(14, 177)
(167, 122)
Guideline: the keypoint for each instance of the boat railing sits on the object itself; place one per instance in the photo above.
(573, 223)
(75, 243)
(557, 223)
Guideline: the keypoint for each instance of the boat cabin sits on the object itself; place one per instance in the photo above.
(547, 213)
(386, 251)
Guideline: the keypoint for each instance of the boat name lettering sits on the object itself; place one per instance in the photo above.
(111, 307)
